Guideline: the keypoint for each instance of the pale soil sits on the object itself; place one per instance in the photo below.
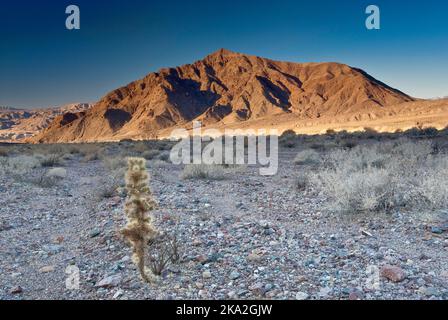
(301, 250)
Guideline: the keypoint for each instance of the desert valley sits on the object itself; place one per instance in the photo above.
(357, 210)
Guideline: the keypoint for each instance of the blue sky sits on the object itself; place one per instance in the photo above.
(42, 63)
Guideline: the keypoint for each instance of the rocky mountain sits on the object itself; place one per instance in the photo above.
(18, 124)
(229, 89)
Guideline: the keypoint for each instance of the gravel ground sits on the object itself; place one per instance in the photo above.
(244, 237)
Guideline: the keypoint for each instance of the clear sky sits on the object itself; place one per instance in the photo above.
(42, 63)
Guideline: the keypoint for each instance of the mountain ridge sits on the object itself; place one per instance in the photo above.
(18, 124)
(227, 88)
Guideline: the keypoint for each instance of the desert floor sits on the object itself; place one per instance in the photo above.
(240, 236)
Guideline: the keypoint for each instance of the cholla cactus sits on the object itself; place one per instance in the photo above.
(139, 229)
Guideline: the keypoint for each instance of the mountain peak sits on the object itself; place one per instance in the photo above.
(228, 88)
(223, 52)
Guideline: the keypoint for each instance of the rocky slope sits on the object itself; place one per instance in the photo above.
(227, 88)
(18, 124)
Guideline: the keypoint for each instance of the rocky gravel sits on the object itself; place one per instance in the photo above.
(243, 237)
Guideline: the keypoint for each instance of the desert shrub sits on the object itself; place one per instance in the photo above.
(164, 145)
(203, 171)
(302, 181)
(164, 156)
(433, 186)
(288, 139)
(139, 230)
(112, 180)
(18, 166)
(163, 250)
(113, 164)
(307, 157)
(4, 152)
(139, 147)
(288, 133)
(371, 133)
(347, 143)
(430, 132)
(50, 178)
(150, 154)
(91, 157)
(383, 177)
(90, 151)
(51, 160)
(323, 145)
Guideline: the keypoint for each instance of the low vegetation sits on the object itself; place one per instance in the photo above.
(139, 230)
(307, 157)
(203, 171)
(383, 177)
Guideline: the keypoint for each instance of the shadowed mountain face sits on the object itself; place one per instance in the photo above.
(226, 88)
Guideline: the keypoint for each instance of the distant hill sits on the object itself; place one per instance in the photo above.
(229, 89)
(19, 124)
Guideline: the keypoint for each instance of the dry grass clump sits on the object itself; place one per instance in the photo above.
(384, 177)
(288, 139)
(307, 157)
(302, 181)
(18, 166)
(89, 151)
(150, 154)
(51, 160)
(50, 178)
(164, 156)
(203, 171)
(4, 152)
(112, 180)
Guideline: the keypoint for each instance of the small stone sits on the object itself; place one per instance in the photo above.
(232, 295)
(234, 275)
(109, 282)
(393, 273)
(436, 230)
(355, 295)
(52, 248)
(16, 290)
(206, 274)
(46, 269)
(199, 285)
(257, 289)
(254, 257)
(118, 294)
(201, 258)
(94, 233)
(301, 279)
(366, 233)
(301, 296)
(264, 224)
(268, 287)
(429, 292)
(324, 292)
(202, 293)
